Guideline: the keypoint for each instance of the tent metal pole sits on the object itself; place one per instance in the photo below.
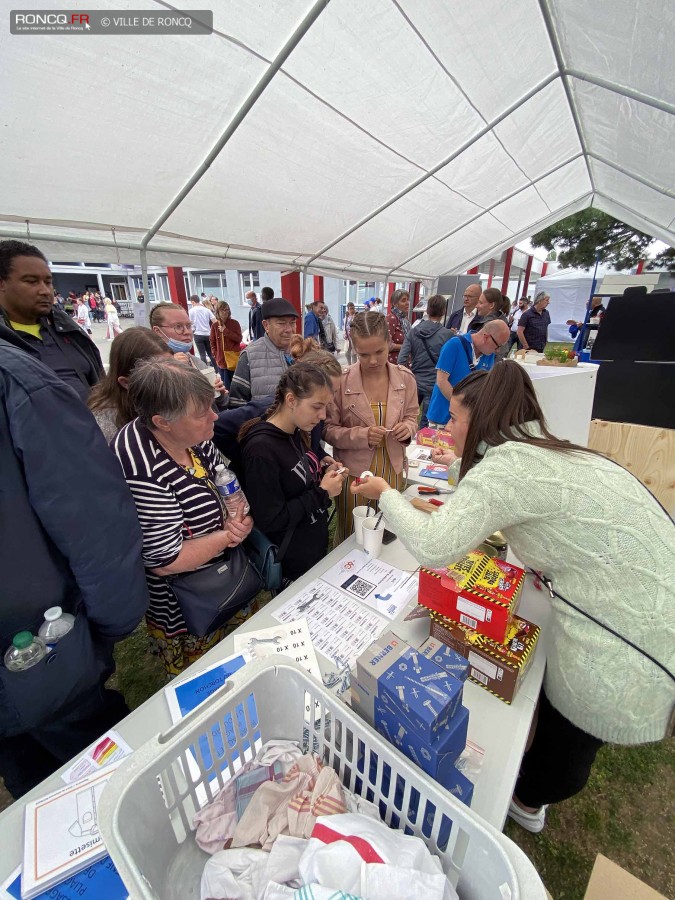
(560, 62)
(278, 264)
(574, 206)
(490, 208)
(240, 115)
(140, 310)
(633, 175)
(304, 297)
(658, 229)
(489, 126)
(638, 96)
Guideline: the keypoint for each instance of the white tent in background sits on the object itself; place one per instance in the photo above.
(395, 138)
(570, 290)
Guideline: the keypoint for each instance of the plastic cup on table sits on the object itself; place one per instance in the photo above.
(373, 532)
(360, 514)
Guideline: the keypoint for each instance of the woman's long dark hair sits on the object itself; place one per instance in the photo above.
(500, 403)
(301, 380)
(126, 350)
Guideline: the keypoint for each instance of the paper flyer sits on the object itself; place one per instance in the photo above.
(186, 695)
(384, 588)
(108, 749)
(99, 881)
(61, 834)
(340, 628)
(286, 639)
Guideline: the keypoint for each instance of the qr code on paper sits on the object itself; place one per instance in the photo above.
(359, 587)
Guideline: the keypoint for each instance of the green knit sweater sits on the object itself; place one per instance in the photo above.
(608, 547)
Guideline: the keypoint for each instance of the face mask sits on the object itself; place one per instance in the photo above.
(177, 346)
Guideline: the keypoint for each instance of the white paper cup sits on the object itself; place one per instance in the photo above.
(372, 536)
(210, 374)
(360, 514)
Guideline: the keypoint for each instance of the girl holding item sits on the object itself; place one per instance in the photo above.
(289, 497)
(373, 416)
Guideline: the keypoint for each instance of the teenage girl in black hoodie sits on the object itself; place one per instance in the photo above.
(284, 486)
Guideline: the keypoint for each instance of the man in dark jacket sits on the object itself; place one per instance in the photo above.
(423, 344)
(462, 318)
(27, 307)
(58, 481)
(255, 325)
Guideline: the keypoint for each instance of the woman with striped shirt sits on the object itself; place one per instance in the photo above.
(373, 414)
(169, 463)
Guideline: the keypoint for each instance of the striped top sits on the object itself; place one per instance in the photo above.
(171, 504)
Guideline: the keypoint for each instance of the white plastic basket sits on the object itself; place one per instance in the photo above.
(146, 810)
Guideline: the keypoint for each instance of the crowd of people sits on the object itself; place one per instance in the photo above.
(137, 454)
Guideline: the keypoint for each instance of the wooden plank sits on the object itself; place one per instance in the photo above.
(649, 453)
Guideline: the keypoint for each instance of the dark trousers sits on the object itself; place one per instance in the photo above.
(27, 759)
(558, 764)
(203, 344)
(423, 400)
(225, 376)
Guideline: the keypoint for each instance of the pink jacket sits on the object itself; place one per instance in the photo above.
(349, 417)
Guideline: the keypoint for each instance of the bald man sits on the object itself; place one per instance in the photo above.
(460, 320)
(461, 355)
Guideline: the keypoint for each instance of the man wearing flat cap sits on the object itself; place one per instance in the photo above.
(263, 362)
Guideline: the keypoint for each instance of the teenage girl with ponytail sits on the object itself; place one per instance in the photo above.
(374, 413)
(284, 485)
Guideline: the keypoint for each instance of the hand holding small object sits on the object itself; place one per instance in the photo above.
(401, 431)
(332, 481)
(376, 435)
(372, 488)
(443, 456)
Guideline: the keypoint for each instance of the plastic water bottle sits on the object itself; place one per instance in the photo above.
(25, 652)
(55, 626)
(231, 494)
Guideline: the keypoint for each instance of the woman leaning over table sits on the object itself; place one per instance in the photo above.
(607, 545)
(373, 415)
(225, 342)
(169, 463)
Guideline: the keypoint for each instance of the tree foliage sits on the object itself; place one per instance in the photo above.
(579, 237)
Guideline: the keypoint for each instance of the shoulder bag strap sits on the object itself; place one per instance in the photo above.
(426, 347)
(549, 585)
(469, 357)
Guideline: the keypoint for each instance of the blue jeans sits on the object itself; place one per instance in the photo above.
(226, 376)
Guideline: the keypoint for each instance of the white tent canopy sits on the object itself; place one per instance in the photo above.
(396, 138)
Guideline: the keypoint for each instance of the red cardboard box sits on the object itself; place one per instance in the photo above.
(499, 668)
(432, 437)
(478, 591)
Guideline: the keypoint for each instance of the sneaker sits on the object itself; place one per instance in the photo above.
(532, 822)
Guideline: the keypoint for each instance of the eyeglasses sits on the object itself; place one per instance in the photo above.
(179, 329)
(494, 341)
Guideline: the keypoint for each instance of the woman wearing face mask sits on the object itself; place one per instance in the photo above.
(225, 341)
(373, 415)
(109, 399)
(172, 323)
(606, 544)
(284, 486)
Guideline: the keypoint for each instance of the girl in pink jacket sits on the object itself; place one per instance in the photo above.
(373, 415)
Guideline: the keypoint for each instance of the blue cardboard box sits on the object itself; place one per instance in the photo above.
(426, 695)
(460, 787)
(446, 658)
(436, 759)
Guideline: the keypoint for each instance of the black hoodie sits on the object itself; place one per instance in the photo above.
(282, 487)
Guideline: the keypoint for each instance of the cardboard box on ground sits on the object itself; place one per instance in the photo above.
(610, 882)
